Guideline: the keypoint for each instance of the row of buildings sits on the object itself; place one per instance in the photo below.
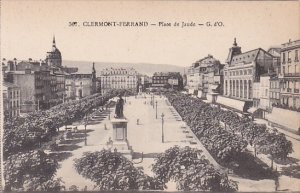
(255, 81)
(32, 85)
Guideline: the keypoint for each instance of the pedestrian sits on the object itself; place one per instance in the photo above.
(138, 121)
(105, 128)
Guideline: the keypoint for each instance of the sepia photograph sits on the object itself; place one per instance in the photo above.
(150, 96)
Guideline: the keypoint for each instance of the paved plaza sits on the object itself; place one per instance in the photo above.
(145, 138)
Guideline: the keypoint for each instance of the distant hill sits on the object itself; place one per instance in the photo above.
(143, 68)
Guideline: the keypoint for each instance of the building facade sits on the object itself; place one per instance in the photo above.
(243, 69)
(118, 78)
(79, 85)
(290, 75)
(274, 91)
(205, 77)
(11, 100)
(167, 80)
(35, 90)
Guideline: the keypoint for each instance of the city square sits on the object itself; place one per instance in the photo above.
(120, 100)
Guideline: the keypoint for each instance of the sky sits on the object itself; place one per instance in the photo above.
(27, 29)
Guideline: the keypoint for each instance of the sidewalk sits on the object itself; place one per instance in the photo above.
(96, 140)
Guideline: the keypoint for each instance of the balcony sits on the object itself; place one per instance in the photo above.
(292, 75)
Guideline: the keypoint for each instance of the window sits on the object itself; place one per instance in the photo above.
(289, 57)
(296, 56)
(250, 88)
(226, 87)
(283, 58)
(233, 90)
(245, 89)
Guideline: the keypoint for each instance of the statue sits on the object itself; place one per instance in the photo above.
(119, 108)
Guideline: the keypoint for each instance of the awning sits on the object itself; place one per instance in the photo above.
(284, 117)
(232, 103)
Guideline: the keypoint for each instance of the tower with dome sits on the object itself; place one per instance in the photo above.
(54, 56)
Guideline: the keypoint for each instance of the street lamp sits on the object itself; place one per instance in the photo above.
(153, 102)
(85, 124)
(156, 109)
(108, 112)
(162, 127)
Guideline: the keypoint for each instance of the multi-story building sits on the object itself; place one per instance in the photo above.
(172, 80)
(275, 51)
(274, 91)
(143, 83)
(80, 85)
(205, 76)
(240, 73)
(193, 78)
(290, 75)
(45, 80)
(11, 100)
(118, 78)
(35, 89)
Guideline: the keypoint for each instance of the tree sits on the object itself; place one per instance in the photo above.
(32, 171)
(191, 171)
(112, 171)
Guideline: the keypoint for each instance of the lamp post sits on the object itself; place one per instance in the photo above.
(108, 112)
(156, 109)
(153, 102)
(162, 127)
(85, 124)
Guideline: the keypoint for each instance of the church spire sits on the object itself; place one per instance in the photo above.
(53, 42)
(234, 50)
(94, 67)
(94, 72)
(234, 43)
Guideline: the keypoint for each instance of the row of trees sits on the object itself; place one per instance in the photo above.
(27, 167)
(224, 133)
(185, 166)
(21, 134)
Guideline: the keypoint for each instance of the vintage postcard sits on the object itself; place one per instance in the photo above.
(150, 96)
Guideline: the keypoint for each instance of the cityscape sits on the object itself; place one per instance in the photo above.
(250, 105)
(114, 96)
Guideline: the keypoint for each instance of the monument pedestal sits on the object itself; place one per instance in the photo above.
(119, 140)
